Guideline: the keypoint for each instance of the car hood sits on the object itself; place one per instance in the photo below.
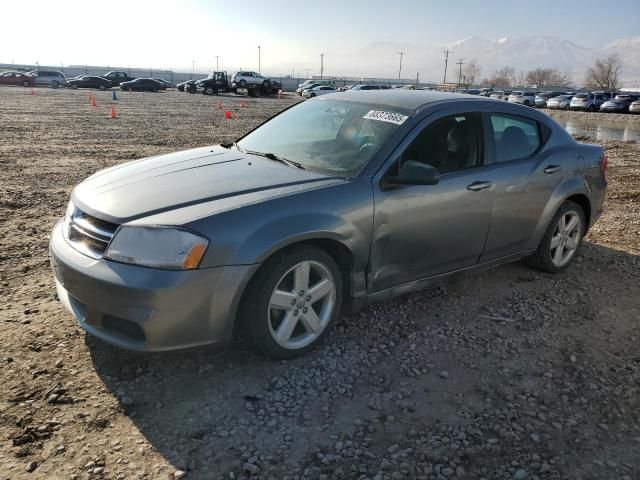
(158, 184)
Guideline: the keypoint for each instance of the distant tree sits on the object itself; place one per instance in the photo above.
(547, 77)
(502, 78)
(471, 71)
(520, 78)
(605, 73)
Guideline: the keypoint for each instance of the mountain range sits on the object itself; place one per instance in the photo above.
(521, 53)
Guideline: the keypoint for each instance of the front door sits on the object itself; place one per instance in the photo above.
(426, 230)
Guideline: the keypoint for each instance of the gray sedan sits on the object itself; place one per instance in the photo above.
(334, 203)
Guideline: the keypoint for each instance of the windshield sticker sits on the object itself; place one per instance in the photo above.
(385, 116)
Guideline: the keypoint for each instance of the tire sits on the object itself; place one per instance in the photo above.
(566, 107)
(308, 321)
(591, 108)
(155, 89)
(74, 86)
(311, 95)
(181, 89)
(54, 84)
(526, 103)
(546, 260)
(242, 84)
(25, 84)
(266, 84)
(208, 91)
(102, 87)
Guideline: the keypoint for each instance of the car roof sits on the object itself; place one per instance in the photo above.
(396, 97)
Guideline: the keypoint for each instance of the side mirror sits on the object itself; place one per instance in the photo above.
(415, 173)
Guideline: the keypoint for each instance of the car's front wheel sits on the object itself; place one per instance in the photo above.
(102, 87)
(208, 91)
(54, 84)
(292, 302)
(25, 84)
(242, 83)
(561, 240)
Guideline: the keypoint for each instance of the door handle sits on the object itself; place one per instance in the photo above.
(552, 169)
(477, 186)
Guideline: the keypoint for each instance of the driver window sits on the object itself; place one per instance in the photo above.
(449, 144)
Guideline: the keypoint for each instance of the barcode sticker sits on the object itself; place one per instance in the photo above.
(385, 116)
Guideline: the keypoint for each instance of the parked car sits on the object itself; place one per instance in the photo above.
(319, 90)
(188, 86)
(117, 78)
(300, 90)
(561, 102)
(588, 101)
(473, 91)
(89, 81)
(48, 78)
(365, 87)
(505, 95)
(497, 95)
(527, 99)
(620, 104)
(486, 91)
(245, 78)
(16, 78)
(634, 107)
(542, 97)
(165, 83)
(335, 203)
(142, 85)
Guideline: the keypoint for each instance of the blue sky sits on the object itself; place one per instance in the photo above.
(173, 33)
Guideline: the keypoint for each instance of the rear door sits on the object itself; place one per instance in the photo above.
(424, 230)
(524, 177)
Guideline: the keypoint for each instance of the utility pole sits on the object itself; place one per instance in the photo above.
(417, 79)
(321, 65)
(446, 62)
(460, 63)
(400, 69)
(217, 62)
(259, 60)
(193, 68)
(307, 72)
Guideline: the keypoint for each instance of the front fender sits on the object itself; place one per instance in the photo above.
(571, 186)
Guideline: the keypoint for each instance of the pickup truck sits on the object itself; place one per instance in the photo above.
(117, 77)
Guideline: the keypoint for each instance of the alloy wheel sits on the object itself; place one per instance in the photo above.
(301, 304)
(565, 239)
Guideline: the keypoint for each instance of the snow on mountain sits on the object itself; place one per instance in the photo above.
(521, 53)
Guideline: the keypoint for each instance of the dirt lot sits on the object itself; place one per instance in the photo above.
(507, 374)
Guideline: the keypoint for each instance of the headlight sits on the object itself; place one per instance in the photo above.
(67, 219)
(157, 247)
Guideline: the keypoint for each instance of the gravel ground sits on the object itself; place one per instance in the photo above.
(505, 374)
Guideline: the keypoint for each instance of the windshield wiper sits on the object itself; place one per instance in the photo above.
(273, 156)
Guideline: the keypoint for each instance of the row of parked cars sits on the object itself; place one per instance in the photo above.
(55, 79)
(313, 88)
(588, 101)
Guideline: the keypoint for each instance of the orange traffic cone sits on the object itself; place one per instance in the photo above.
(227, 115)
(113, 112)
(93, 101)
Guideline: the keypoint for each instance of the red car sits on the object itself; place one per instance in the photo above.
(16, 78)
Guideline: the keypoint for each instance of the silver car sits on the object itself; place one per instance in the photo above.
(317, 91)
(48, 78)
(245, 78)
(527, 99)
(336, 202)
(588, 101)
(561, 102)
(634, 107)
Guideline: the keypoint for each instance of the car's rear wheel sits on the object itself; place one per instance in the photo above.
(591, 108)
(25, 84)
(155, 89)
(74, 86)
(54, 84)
(562, 239)
(312, 95)
(292, 302)
(102, 87)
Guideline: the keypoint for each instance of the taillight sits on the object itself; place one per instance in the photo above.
(604, 164)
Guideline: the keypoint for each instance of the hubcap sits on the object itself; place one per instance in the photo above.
(565, 239)
(301, 305)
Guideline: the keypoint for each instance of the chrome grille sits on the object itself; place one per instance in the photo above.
(89, 235)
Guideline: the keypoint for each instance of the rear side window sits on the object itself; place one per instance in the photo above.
(515, 137)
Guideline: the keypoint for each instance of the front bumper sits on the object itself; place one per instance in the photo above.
(147, 309)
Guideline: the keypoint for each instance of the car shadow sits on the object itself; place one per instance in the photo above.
(208, 410)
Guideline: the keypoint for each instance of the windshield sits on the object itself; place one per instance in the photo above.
(331, 136)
